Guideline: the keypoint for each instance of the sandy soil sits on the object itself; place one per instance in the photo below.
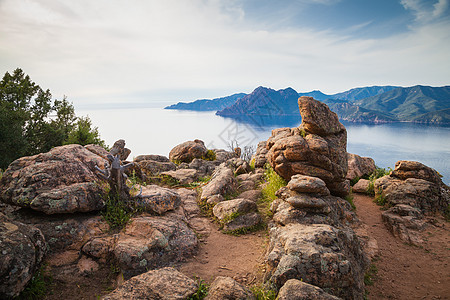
(405, 271)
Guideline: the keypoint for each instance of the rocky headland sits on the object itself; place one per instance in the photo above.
(200, 223)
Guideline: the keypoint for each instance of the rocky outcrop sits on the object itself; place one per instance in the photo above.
(183, 176)
(412, 191)
(362, 186)
(316, 148)
(228, 288)
(60, 181)
(237, 214)
(22, 249)
(152, 165)
(311, 240)
(295, 289)
(260, 156)
(222, 182)
(164, 284)
(158, 200)
(359, 166)
(187, 151)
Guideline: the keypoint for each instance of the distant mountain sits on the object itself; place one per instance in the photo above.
(407, 104)
(318, 95)
(207, 104)
(264, 102)
(362, 92)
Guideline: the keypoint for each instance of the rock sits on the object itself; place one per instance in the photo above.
(224, 209)
(228, 288)
(223, 155)
(187, 151)
(222, 182)
(203, 167)
(316, 148)
(246, 185)
(97, 149)
(295, 289)
(320, 255)
(153, 165)
(361, 186)
(100, 247)
(307, 184)
(412, 169)
(260, 155)
(317, 118)
(164, 284)
(305, 201)
(158, 199)
(405, 222)
(60, 181)
(183, 176)
(87, 266)
(215, 199)
(359, 166)
(252, 195)
(119, 149)
(22, 249)
(237, 214)
(152, 242)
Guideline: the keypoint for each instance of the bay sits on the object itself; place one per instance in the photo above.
(157, 131)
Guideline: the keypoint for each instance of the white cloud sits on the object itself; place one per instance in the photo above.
(118, 50)
(424, 10)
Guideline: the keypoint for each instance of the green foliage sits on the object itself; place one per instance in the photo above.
(200, 182)
(262, 292)
(380, 198)
(210, 155)
(83, 133)
(354, 181)
(303, 133)
(116, 212)
(245, 230)
(38, 286)
(1, 174)
(349, 199)
(202, 290)
(370, 275)
(273, 182)
(30, 121)
(378, 173)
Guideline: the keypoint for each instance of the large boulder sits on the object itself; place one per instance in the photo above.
(295, 289)
(187, 151)
(228, 288)
(412, 191)
(22, 249)
(158, 200)
(260, 156)
(222, 182)
(237, 214)
(318, 254)
(60, 181)
(318, 147)
(153, 165)
(164, 284)
(359, 166)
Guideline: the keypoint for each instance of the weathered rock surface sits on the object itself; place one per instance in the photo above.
(222, 182)
(307, 184)
(359, 166)
(187, 151)
(361, 186)
(153, 165)
(60, 181)
(22, 249)
(237, 214)
(413, 191)
(164, 284)
(152, 242)
(183, 176)
(228, 288)
(158, 200)
(260, 155)
(316, 148)
(204, 167)
(320, 255)
(295, 289)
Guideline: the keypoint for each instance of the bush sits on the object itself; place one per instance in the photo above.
(262, 292)
(273, 182)
(378, 173)
(83, 133)
(210, 155)
(202, 290)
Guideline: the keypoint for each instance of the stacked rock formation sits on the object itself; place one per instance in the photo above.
(318, 147)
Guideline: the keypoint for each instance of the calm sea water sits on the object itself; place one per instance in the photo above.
(157, 131)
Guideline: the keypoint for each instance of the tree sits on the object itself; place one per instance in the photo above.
(31, 122)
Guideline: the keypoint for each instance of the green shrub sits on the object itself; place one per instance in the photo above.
(273, 182)
(380, 198)
(370, 275)
(378, 173)
(202, 290)
(262, 292)
(210, 155)
(349, 199)
(116, 212)
(354, 181)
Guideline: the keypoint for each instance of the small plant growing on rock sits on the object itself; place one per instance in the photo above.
(378, 173)
(370, 275)
(262, 292)
(380, 198)
(273, 182)
(349, 199)
(210, 155)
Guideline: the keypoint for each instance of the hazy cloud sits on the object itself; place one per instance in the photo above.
(424, 10)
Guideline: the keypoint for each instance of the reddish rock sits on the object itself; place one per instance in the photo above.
(228, 288)
(187, 151)
(359, 166)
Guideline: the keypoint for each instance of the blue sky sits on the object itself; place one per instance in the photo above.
(133, 51)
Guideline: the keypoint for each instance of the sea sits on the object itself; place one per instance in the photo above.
(157, 130)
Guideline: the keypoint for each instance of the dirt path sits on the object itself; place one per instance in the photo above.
(226, 255)
(404, 271)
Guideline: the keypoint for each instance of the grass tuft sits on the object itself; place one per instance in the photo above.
(202, 290)
(262, 292)
(38, 286)
(371, 275)
(210, 155)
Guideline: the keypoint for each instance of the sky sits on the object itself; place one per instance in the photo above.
(106, 53)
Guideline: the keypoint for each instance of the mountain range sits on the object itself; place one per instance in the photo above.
(375, 104)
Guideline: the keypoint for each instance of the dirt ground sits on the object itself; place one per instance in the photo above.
(405, 271)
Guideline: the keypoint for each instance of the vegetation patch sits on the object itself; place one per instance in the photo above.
(117, 213)
(380, 198)
(245, 230)
(349, 199)
(272, 183)
(371, 275)
(378, 173)
(354, 180)
(202, 290)
(262, 292)
(210, 155)
(38, 286)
